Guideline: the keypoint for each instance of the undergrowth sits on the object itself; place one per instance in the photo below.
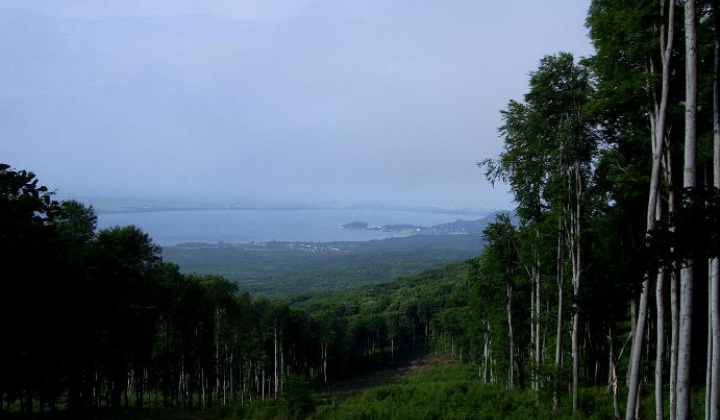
(456, 392)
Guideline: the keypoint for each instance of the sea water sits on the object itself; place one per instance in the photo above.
(168, 228)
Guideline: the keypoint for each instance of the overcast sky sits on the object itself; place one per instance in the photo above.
(390, 101)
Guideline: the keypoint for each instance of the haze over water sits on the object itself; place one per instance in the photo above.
(168, 228)
(324, 100)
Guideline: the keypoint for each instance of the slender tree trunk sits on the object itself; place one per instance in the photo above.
(532, 327)
(392, 351)
(633, 328)
(486, 353)
(282, 366)
(714, 389)
(324, 356)
(576, 357)
(638, 334)
(658, 136)
(660, 333)
(575, 245)
(686, 273)
(202, 386)
(275, 343)
(538, 348)
(218, 366)
(674, 327)
(708, 359)
(612, 377)
(558, 346)
(674, 304)
(660, 346)
(511, 347)
(642, 311)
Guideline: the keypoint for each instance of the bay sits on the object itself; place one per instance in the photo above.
(173, 227)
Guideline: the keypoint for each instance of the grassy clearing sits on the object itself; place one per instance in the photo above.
(441, 391)
(427, 388)
(437, 389)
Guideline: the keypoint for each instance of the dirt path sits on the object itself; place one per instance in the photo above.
(342, 390)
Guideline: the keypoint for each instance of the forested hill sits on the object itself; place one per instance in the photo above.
(285, 268)
(158, 338)
(142, 334)
(438, 288)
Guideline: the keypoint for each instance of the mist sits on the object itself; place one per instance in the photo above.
(306, 100)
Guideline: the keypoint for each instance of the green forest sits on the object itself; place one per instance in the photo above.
(598, 298)
(289, 268)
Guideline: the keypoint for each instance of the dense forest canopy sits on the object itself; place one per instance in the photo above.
(100, 320)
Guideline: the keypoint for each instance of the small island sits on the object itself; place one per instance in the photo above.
(356, 225)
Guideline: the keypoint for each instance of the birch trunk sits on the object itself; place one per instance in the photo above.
(708, 358)
(686, 273)
(533, 353)
(634, 374)
(674, 298)
(660, 312)
(715, 338)
(219, 366)
(675, 330)
(660, 346)
(486, 353)
(558, 345)
(575, 246)
(511, 347)
(612, 376)
(324, 357)
(658, 126)
(714, 389)
(538, 348)
(275, 373)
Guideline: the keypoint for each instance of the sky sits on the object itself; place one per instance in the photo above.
(347, 101)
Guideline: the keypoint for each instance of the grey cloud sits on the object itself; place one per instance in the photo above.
(322, 100)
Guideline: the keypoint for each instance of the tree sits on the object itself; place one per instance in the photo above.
(714, 329)
(30, 249)
(658, 131)
(122, 265)
(687, 273)
(499, 280)
(547, 159)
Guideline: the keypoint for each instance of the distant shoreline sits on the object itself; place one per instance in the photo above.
(156, 209)
(175, 225)
(458, 227)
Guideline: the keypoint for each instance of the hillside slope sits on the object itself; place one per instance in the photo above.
(287, 268)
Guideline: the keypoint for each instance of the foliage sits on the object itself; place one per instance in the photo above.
(286, 268)
(456, 392)
(143, 334)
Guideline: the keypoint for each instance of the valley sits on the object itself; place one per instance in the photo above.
(278, 268)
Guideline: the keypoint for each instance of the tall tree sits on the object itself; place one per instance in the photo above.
(687, 273)
(29, 248)
(658, 131)
(549, 147)
(714, 330)
(499, 272)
